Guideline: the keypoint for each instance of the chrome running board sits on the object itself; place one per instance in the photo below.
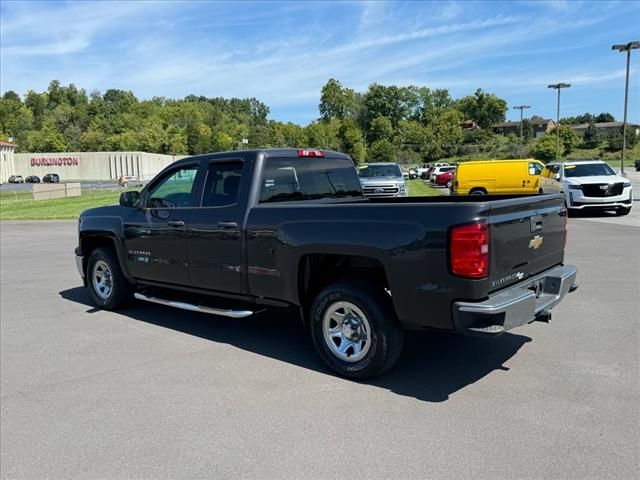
(194, 308)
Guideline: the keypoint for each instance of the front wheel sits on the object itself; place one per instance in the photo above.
(108, 286)
(354, 330)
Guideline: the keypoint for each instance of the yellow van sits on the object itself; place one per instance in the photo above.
(498, 177)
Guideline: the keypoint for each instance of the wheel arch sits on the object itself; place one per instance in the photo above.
(318, 270)
(91, 240)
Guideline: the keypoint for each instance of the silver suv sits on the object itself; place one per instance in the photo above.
(588, 185)
(382, 180)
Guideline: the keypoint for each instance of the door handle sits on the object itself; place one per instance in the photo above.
(227, 224)
(175, 223)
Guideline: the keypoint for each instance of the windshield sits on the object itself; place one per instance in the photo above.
(588, 170)
(372, 171)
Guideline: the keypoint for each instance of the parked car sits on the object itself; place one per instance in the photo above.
(32, 179)
(589, 185)
(51, 178)
(421, 171)
(637, 165)
(129, 181)
(506, 177)
(426, 175)
(440, 169)
(444, 179)
(382, 179)
(292, 228)
(413, 173)
(16, 179)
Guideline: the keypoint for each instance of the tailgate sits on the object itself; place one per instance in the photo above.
(527, 237)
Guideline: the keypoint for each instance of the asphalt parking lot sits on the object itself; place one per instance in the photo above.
(152, 392)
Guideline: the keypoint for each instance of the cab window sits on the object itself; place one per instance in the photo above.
(288, 179)
(535, 168)
(174, 190)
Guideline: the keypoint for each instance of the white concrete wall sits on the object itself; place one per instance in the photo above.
(6, 162)
(99, 166)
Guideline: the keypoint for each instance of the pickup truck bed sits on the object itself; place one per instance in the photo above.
(299, 232)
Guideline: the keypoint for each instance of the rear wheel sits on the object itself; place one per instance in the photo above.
(354, 330)
(478, 191)
(108, 286)
(450, 184)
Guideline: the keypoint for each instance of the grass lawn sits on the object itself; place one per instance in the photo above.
(419, 188)
(21, 206)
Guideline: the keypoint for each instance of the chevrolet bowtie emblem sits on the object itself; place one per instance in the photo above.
(536, 242)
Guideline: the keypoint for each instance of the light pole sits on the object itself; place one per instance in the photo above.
(558, 86)
(625, 48)
(521, 108)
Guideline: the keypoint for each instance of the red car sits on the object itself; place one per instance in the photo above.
(445, 179)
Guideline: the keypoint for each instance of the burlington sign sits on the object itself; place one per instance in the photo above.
(54, 161)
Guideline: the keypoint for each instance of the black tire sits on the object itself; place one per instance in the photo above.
(386, 336)
(621, 212)
(120, 291)
(478, 191)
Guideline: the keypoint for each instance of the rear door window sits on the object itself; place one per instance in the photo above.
(222, 185)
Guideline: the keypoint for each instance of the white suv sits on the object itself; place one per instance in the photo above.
(588, 185)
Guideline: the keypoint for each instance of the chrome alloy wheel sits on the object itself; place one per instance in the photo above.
(346, 331)
(101, 279)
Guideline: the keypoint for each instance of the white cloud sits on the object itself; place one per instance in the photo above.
(283, 54)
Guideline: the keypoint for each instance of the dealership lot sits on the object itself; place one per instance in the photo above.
(157, 393)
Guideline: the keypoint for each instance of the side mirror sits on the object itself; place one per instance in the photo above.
(557, 176)
(129, 199)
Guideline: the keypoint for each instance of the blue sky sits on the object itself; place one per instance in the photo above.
(283, 52)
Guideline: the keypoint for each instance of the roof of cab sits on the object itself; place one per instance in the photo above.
(377, 163)
(269, 152)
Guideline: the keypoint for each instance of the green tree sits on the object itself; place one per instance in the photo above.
(395, 103)
(605, 117)
(323, 135)
(222, 142)
(15, 118)
(545, 148)
(591, 137)
(527, 130)
(381, 129)
(485, 108)
(568, 138)
(381, 151)
(336, 101)
(614, 140)
(352, 141)
(443, 135)
(47, 139)
(11, 95)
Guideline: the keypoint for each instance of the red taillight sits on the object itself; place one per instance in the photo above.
(469, 250)
(311, 153)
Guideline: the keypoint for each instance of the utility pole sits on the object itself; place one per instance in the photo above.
(558, 87)
(625, 48)
(521, 108)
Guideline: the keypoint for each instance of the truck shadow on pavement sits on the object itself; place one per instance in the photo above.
(432, 367)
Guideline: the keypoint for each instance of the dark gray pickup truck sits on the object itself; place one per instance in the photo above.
(233, 233)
